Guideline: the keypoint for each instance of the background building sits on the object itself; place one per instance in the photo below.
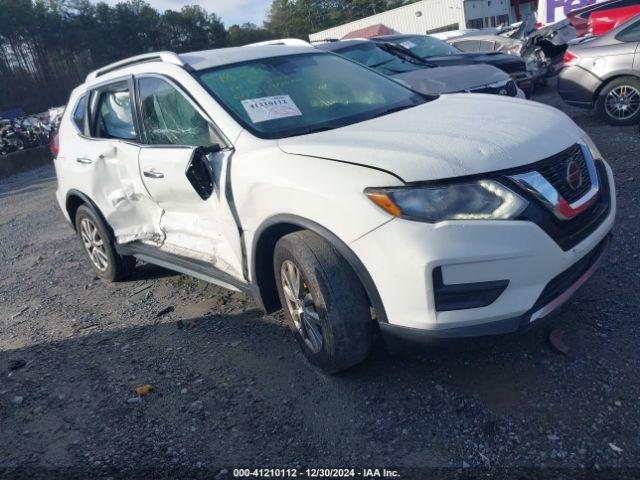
(434, 16)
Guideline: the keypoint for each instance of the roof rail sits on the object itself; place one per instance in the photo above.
(167, 57)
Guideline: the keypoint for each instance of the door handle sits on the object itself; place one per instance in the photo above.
(84, 160)
(153, 173)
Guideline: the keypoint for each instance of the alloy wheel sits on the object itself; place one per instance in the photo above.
(623, 102)
(301, 306)
(94, 244)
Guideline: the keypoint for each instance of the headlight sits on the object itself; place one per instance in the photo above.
(595, 153)
(476, 200)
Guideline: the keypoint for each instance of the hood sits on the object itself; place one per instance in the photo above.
(452, 136)
(455, 79)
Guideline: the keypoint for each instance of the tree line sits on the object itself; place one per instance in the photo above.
(48, 46)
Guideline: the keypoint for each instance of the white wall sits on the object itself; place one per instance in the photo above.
(432, 14)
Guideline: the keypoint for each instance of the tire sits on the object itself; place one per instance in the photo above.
(99, 246)
(629, 87)
(329, 288)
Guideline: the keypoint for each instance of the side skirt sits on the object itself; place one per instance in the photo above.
(189, 266)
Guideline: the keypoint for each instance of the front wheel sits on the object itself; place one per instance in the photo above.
(619, 101)
(324, 302)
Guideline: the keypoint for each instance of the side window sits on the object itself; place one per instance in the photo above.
(79, 112)
(114, 113)
(630, 34)
(169, 118)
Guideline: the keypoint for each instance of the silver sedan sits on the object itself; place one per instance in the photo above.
(604, 72)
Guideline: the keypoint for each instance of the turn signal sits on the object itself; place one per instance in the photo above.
(384, 202)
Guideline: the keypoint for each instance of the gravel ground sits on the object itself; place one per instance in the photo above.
(230, 388)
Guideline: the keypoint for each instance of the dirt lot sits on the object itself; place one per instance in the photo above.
(232, 390)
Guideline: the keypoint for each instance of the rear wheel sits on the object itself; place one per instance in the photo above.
(99, 246)
(324, 302)
(619, 101)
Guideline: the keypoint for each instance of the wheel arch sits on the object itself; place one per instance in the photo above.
(74, 200)
(614, 76)
(264, 242)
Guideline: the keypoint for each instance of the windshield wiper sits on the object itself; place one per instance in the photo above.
(404, 53)
(375, 65)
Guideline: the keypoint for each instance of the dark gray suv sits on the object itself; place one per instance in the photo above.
(604, 72)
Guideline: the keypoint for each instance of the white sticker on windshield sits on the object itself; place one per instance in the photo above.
(407, 44)
(270, 108)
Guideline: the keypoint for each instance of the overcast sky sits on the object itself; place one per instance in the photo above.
(231, 11)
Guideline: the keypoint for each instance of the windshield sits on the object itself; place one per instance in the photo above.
(376, 57)
(426, 47)
(296, 94)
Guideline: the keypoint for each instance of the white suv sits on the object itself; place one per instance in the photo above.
(315, 184)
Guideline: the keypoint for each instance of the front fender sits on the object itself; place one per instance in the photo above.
(275, 227)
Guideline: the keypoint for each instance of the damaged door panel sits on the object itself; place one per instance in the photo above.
(182, 167)
(112, 153)
(196, 222)
(121, 196)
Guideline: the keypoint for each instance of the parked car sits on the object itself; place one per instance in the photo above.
(541, 48)
(579, 17)
(322, 187)
(422, 76)
(603, 21)
(604, 72)
(440, 53)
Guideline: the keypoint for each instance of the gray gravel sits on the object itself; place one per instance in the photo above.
(230, 388)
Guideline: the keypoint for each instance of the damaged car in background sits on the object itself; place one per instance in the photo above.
(423, 76)
(541, 48)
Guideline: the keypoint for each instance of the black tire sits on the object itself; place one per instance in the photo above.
(630, 82)
(338, 296)
(118, 267)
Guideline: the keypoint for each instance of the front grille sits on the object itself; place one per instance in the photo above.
(510, 88)
(568, 233)
(554, 170)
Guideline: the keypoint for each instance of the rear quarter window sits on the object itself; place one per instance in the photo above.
(630, 34)
(80, 112)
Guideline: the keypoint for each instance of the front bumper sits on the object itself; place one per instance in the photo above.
(556, 294)
(577, 86)
(402, 255)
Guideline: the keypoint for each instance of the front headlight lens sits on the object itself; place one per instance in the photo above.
(477, 200)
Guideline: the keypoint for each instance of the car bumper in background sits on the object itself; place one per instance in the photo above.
(577, 87)
(524, 81)
(470, 278)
